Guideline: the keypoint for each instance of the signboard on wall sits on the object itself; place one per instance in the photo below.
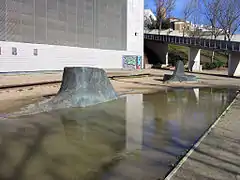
(132, 62)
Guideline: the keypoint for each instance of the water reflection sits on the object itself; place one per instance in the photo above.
(134, 122)
(196, 93)
(172, 123)
(135, 137)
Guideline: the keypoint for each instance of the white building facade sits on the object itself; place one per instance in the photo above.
(38, 35)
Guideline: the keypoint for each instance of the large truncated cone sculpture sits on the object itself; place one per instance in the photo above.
(84, 86)
(81, 87)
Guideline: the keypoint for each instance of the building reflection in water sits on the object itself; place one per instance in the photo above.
(171, 123)
(134, 122)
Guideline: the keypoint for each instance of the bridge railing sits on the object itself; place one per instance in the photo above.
(222, 45)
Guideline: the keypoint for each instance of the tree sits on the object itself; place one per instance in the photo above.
(166, 24)
(196, 7)
(187, 12)
(149, 23)
(163, 9)
(211, 11)
(229, 17)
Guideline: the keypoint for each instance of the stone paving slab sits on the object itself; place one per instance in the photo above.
(218, 155)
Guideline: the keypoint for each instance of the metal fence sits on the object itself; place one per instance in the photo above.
(82, 23)
(197, 42)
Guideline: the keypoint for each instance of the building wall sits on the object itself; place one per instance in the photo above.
(179, 26)
(105, 53)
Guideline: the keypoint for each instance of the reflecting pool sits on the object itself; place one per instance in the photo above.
(139, 136)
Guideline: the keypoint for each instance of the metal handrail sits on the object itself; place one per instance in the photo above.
(222, 45)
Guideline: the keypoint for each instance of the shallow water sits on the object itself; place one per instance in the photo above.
(135, 137)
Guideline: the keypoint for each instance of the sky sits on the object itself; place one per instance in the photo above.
(177, 12)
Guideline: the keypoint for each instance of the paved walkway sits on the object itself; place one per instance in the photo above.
(212, 77)
(218, 155)
(7, 79)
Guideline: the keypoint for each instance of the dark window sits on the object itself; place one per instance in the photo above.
(14, 51)
(35, 52)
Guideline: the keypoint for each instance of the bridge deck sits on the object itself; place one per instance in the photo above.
(200, 43)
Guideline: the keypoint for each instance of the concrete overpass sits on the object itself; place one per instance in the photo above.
(159, 45)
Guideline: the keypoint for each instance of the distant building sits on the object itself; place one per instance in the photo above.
(148, 14)
(173, 19)
(179, 24)
(205, 30)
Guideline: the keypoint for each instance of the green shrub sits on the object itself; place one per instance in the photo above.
(173, 57)
(214, 65)
(219, 63)
(166, 24)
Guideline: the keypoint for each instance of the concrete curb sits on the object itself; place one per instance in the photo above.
(181, 162)
(28, 84)
(59, 81)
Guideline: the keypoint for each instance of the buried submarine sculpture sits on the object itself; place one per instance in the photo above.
(179, 75)
(81, 87)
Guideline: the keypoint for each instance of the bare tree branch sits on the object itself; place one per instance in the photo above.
(187, 12)
(212, 10)
(229, 17)
(196, 31)
(163, 10)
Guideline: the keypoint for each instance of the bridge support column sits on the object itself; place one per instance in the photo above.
(194, 56)
(134, 122)
(234, 64)
(163, 48)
